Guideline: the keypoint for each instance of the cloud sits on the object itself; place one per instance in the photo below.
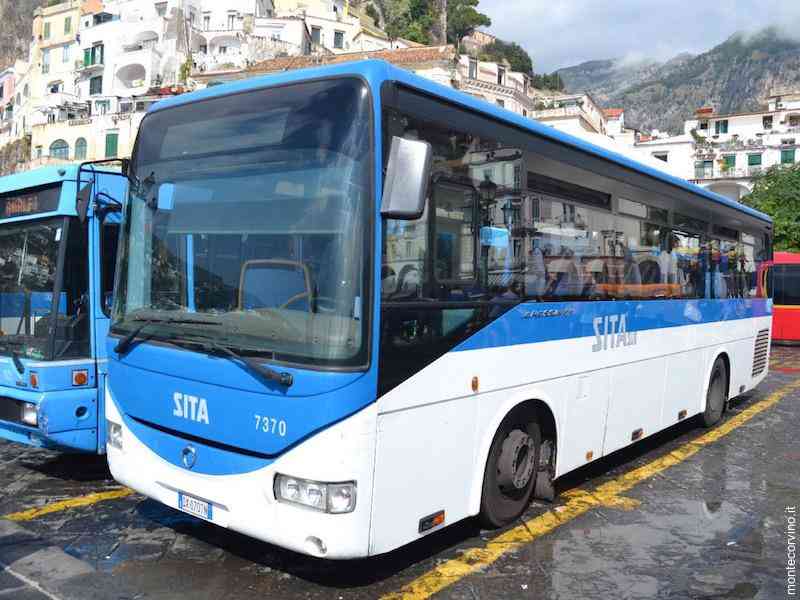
(567, 32)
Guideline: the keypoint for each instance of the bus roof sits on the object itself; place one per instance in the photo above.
(786, 258)
(108, 180)
(378, 71)
(37, 177)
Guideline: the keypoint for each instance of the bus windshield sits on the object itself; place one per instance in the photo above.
(28, 262)
(248, 222)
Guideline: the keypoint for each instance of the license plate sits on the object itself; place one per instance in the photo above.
(193, 506)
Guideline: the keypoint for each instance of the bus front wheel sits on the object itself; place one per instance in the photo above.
(716, 395)
(510, 474)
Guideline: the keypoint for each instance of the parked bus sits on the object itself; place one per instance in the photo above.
(354, 306)
(784, 275)
(56, 279)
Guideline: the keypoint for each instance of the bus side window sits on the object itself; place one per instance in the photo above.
(693, 260)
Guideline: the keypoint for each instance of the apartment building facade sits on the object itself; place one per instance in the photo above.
(492, 82)
(495, 83)
(724, 152)
(572, 113)
(127, 54)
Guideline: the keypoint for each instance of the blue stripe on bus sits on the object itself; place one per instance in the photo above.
(546, 321)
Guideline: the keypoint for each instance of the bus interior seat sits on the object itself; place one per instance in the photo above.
(275, 284)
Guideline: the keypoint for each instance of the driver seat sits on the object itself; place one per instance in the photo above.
(276, 284)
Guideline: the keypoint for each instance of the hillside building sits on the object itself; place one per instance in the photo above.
(617, 129)
(571, 113)
(126, 54)
(724, 152)
(492, 82)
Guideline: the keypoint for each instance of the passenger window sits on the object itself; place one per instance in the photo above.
(454, 231)
(691, 263)
(649, 267)
(729, 273)
(572, 253)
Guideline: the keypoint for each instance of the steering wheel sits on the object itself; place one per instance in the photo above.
(329, 305)
(294, 299)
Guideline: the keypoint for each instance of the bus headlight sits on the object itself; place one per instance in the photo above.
(114, 434)
(334, 498)
(29, 414)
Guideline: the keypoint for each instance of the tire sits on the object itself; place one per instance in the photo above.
(717, 394)
(511, 468)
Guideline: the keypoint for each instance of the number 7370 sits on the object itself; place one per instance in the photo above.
(270, 425)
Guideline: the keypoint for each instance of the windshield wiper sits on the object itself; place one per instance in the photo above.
(124, 345)
(209, 345)
(15, 359)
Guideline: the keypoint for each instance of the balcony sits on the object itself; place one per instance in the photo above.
(87, 69)
(708, 173)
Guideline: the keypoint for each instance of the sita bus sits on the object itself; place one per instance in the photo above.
(354, 306)
(58, 238)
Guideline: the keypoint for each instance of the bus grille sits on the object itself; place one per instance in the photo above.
(10, 410)
(761, 352)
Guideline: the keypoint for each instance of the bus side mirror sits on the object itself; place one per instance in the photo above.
(405, 187)
(126, 166)
(83, 200)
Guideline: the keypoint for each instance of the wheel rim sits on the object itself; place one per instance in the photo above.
(515, 464)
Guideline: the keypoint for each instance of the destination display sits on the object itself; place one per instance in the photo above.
(30, 202)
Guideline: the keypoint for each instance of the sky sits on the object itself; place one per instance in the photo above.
(563, 33)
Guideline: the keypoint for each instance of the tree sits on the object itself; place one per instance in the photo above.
(515, 54)
(548, 82)
(395, 17)
(373, 14)
(421, 22)
(463, 19)
(776, 192)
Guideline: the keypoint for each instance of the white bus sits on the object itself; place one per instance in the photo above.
(353, 307)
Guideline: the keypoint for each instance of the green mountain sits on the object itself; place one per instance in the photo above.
(736, 75)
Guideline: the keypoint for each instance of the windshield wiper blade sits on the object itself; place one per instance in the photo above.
(17, 362)
(268, 373)
(15, 359)
(124, 345)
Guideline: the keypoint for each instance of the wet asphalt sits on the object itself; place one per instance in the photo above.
(712, 526)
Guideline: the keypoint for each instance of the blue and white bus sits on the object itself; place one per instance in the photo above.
(57, 260)
(353, 306)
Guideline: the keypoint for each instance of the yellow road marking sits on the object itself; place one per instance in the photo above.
(87, 500)
(578, 502)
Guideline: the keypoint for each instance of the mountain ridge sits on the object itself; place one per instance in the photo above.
(736, 75)
(16, 18)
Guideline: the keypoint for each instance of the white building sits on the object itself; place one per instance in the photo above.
(724, 152)
(495, 83)
(237, 33)
(125, 55)
(571, 113)
(617, 129)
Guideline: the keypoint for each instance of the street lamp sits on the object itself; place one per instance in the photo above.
(488, 195)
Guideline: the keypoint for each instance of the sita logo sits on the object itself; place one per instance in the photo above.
(190, 407)
(611, 331)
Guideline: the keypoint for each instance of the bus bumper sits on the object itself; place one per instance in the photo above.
(66, 420)
(245, 502)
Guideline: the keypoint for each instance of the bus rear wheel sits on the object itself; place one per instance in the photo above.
(510, 473)
(716, 395)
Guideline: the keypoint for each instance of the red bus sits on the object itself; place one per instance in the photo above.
(785, 281)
